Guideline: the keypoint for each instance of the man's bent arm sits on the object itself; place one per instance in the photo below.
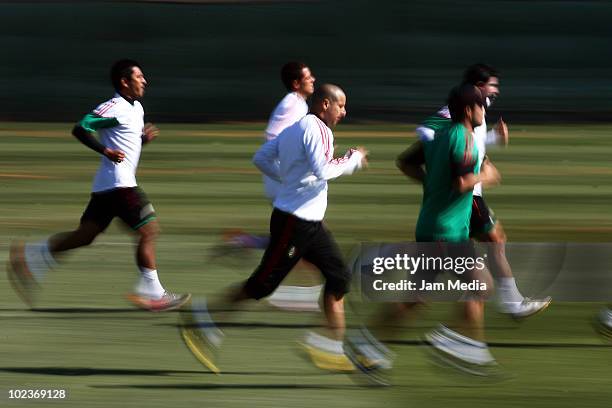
(411, 162)
(266, 159)
(83, 131)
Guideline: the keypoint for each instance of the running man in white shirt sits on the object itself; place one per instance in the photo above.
(302, 159)
(299, 82)
(115, 193)
(484, 226)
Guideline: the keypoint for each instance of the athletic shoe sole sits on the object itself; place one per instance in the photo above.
(519, 317)
(198, 348)
(160, 305)
(326, 361)
(602, 329)
(445, 360)
(372, 375)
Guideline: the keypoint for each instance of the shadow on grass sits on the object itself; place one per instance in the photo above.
(228, 386)
(85, 371)
(251, 325)
(70, 310)
(509, 345)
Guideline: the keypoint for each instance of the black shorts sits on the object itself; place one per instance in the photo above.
(128, 203)
(482, 220)
(291, 239)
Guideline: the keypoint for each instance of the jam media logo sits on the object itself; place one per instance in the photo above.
(564, 270)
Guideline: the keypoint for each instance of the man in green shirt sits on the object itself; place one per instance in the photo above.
(449, 168)
(484, 226)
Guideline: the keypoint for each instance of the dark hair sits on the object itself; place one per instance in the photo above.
(122, 69)
(479, 73)
(291, 71)
(461, 97)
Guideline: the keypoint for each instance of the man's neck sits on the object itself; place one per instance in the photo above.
(319, 115)
(301, 95)
(127, 98)
(468, 125)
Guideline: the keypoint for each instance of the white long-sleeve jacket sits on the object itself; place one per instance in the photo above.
(305, 151)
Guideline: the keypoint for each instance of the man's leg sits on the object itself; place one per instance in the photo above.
(463, 346)
(30, 262)
(135, 210)
(325, 254)
(84, 235)
(288, 235)
(485, 228)
(145, 250)
(327, 350)
(494, 235)
(471, 319)
(299, 295)
(333, 306)
(149, 284)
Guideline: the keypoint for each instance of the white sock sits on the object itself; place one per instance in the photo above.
(39, 259)
(324, 343)
(508, 291)
(149, 284)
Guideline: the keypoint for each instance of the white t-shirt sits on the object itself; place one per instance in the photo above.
(306, 154)
(126, 136)
(288, 111)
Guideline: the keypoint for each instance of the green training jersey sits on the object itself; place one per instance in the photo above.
(445, 212)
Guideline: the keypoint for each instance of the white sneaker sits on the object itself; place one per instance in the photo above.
(166, 302)
(200, 333)
(605, 316)
(604, 322)
(371, 349)
(526, 308)
(459, 346)
(325, 353)
(22, 269)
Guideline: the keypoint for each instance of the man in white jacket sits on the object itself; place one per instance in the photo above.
(299, 81)
(302, 159)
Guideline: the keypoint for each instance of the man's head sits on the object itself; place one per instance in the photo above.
(128, 79)
(296, 77)
(329, 104)
(484, 77)
(466, 105)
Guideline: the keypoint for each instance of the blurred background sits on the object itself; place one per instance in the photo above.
(213, 72)
(219, 60)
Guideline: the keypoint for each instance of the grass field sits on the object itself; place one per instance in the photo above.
(86, 339)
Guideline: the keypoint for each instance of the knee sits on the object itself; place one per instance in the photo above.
(334, 303)
(485, 289)
(149, 232)
(338, 285)
(488, 290)
(254, 289)
(85, 237)
(497, 234)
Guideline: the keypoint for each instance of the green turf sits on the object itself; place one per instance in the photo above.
(86, 338)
